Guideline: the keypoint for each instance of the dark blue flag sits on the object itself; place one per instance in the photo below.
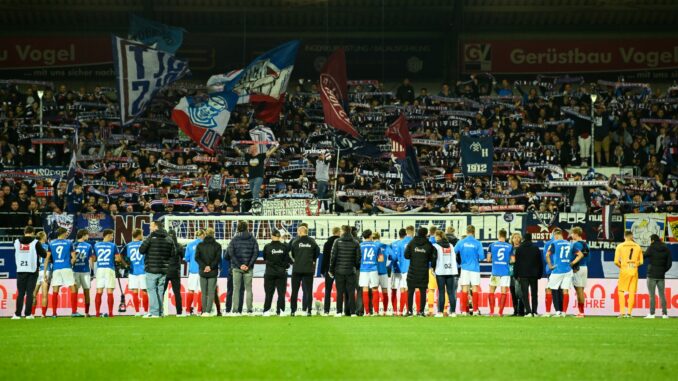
(477, 156)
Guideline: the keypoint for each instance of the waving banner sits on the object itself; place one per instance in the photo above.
(204, 119)
(334, 93)
(141, 72)
(164, 37)
(403, 150)
(644, 225)
(477, 155)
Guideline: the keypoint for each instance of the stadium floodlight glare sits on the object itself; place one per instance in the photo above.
(40, 93)
(593, 130)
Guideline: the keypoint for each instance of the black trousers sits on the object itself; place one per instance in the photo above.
(25, 284)
(275, 283)
(518, 306)
(329, 281)
(359, 310)
(557, 298)
(346, 288)
(532, 284)
(422, 299)
(229, 295)
(306, 283)
(176, 289)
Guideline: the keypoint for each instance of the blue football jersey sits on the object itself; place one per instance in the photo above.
(61, 253)
(392, 255)
(560, 249)
(136, 259)
(501, 256)
(189, 256)
(42, 260)
(369, 252)
(105, 253)
(581, 246)
(547, 245)
(471, 252)
(403, 263)
(382, 258)
(84, 251)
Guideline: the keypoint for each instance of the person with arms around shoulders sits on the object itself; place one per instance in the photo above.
(561, 268)
(304, 252)
(277, 257)
(208, 256)
(446, 274)
(243, 251)
(528, 268)
(44, 276)
(157, 249)
(27, 251)
(658, 259)
(344, 263)
(422, 256)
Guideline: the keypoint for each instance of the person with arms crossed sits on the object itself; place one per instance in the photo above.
(422, 256)
(44, 276)
(580, 249)
(106, 254)
(446, 274)
(561, 270)
(243, 251)
(304, 253)
(628, 257)
(658, 258)
(344, 262)
(500, 254)
(470, 252)
(63, 258)
(208, 256)
(277, 257)
(157, 249)
(193, 274)
(369, 276)
(82, 267)
(137, 275)
(27, 250)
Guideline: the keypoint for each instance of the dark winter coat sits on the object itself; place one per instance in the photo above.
(658, 259)
(327, 253)
(345, 256)
(529, 262)
(243, 250)
(208, 253)
(422, 256)
(157, 248)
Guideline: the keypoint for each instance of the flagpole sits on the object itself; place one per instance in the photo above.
(336, 176)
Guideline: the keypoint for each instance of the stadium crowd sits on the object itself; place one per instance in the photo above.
(539, 128)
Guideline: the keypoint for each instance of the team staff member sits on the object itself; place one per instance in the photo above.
(27, 250)
(277, 257)
(344, 262)
(446, 274)
(44, 275)
(243, 251)
(658, 258)
(173, 274)
(422, 256)
(208, 256)
(528, 269)
(157, 249)
(325, 267)
(304, 253)
(628, 257)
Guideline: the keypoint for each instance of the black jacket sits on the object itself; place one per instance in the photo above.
(327, 253)
(174, 265)
(277, 257)
(345, 256)
(529, 262)
(243, 250)
(157, 248)
(304, 252)
(658, 259)
(421, 254)
(208, 253)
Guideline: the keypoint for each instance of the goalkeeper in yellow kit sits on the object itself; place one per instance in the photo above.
(628, 257)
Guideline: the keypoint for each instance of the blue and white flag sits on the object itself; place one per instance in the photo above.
(204, 119)
(262, 133)
(142, 71)
(164, 37)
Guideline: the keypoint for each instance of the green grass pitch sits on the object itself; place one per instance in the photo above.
(321, 348)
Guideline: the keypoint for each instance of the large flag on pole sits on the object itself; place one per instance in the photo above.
(403, 151)
(334, 93)
(164, 37)
(142, 71)
(204, 119)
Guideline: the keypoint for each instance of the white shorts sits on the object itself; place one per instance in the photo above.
(105, 278)
(194, 282)
(383, 281)
(580, 277)
(136, 282)
(469, 278)
(42, 279)
(82, 280)
(399, 281)
(63, 277)
(500, 281)
(368, 279)
(560, 281)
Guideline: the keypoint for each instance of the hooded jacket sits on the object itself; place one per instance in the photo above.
(421, 254)
(157, 248)
(304, 252)
(208, 253)
(345, 256)
(243, 250)
(446, 262)
(658, 259)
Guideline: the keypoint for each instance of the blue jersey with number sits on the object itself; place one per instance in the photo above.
(560, 250)
(83, 252)
(42, 260)
(136, 260)
(105, 252)
(547, 245)
(189, 256)
(403, 263)
(581, 246)
(471, 252)
(61, 253)
(382, 257)
(501, 256)
(369, 253)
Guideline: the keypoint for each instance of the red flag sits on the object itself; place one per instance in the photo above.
(334, 93)
(266, 108)
(400, 137)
